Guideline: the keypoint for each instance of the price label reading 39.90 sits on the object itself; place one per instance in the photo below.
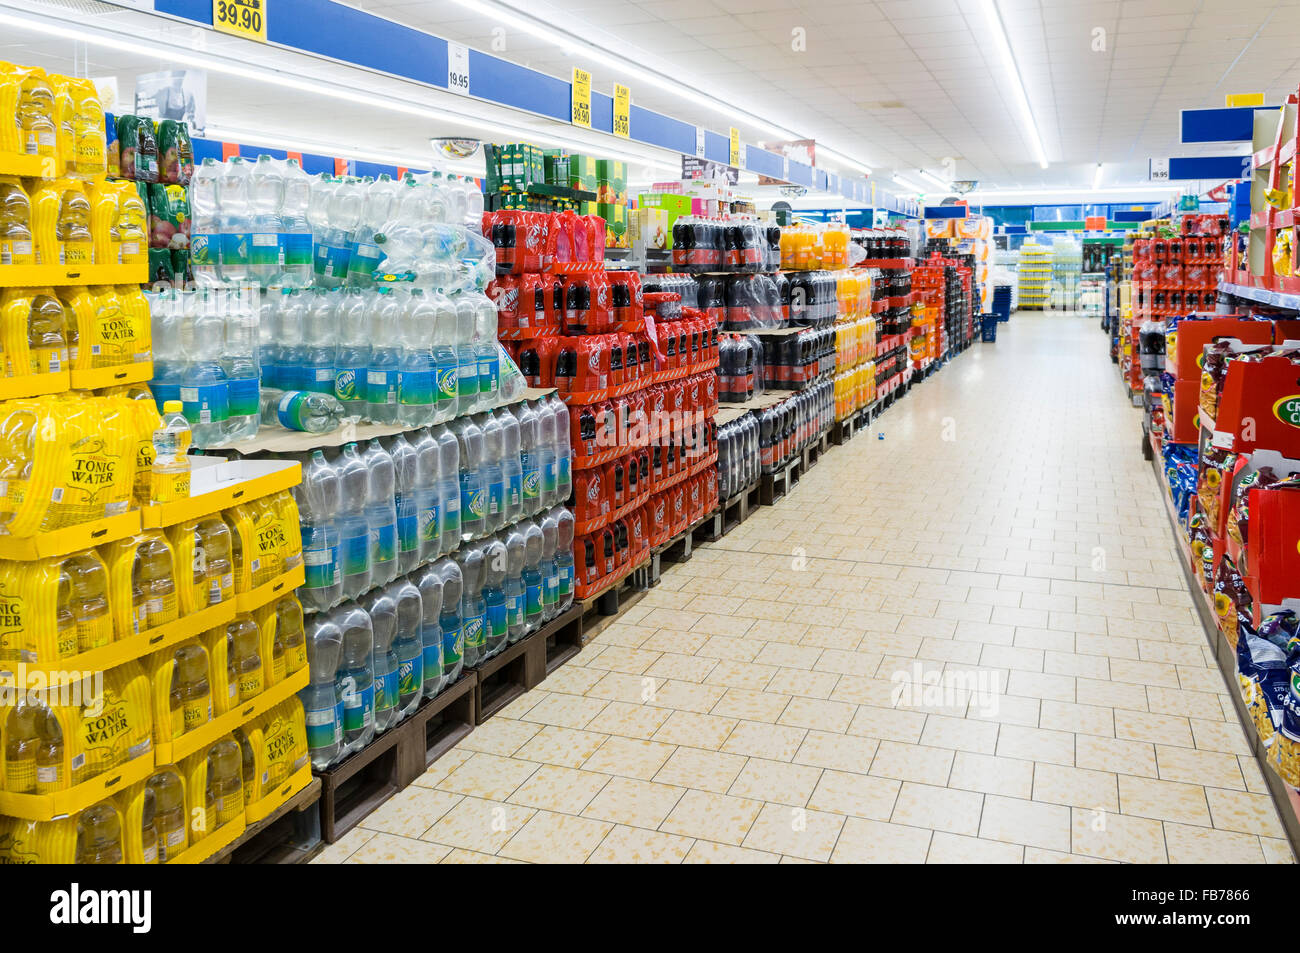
(246, 18)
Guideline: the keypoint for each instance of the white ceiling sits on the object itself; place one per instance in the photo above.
(897, 84)
(902, 84)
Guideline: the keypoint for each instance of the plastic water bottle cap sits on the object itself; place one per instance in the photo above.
(172, 407)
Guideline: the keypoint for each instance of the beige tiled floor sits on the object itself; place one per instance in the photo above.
(965, 641)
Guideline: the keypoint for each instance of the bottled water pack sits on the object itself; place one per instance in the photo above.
(269, 223)
(372, 512)
(373, 660)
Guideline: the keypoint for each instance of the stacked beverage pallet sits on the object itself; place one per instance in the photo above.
(1035, 276)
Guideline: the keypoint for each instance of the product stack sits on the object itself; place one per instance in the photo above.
(73, 245)
(640, 394)
(524, 177)
(158, 157)
(1067, 267)
(1034, 272)
(152, 648)
(1234, 494)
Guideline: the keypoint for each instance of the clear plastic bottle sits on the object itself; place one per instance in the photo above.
(354, 531)
(289, 630)
(205, 230)
(88, 599)
(514, 582)
(319, 500)
(408, 646)
(321, 702)
(381, 608)
(289, 317)
(563, 450)
(429, 582)
(473, 609)
(170, 479)
(495, 564)
(364, 254)
(205, 389)
(534, 604)
(99, 835)
(320, 337)
(352, 360)
(167, 324)
(512, 473)
(494, 514)
(564, 557)
(467, 383)
(446, 361)
(295, 229)
(550, 571)
(191, 689)
(212, 537)
(169, 818)
(381, 374)
(330, 199)
(485, 343)
(233, 213)
(426, 496)
(416, 375)
(381, 514)
(473, 491)
(404, 501)
(243, 649)
(239, 361)
(225, 780)
(451, 621)
(266, 196)
(356, 677)
(530, 457)
(546, 441)
(449, 486)
(15, 223)
(302, 410)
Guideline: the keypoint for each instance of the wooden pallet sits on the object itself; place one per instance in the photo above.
(522, 666)
(729, 514)
(600, 612)
(288, 835)
(358, 785)
(774, 486)
(438, 724)
(816, 448)
(563, 638)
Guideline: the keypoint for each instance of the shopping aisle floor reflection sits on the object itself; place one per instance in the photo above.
(962, 638)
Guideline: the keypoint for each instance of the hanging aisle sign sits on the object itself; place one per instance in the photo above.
(735, 147)
(246, 18)
(581, 113)
(458, 68)
(622, 111)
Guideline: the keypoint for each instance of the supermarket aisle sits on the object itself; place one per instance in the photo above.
(966, 641)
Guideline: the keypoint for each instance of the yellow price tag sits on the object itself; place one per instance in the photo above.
(1245, 99)
(581, 98)
(622, 111)
(735, 147)
(246, 18)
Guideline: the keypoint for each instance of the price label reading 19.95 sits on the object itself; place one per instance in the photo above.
(246, 18)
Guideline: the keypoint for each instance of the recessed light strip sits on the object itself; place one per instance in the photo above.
(1001, 41)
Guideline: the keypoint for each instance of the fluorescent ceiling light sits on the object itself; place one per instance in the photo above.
(1096, 178)
(935, 179)
(1013, 74)
(154, 51)
(910, 186)
(572, 46)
